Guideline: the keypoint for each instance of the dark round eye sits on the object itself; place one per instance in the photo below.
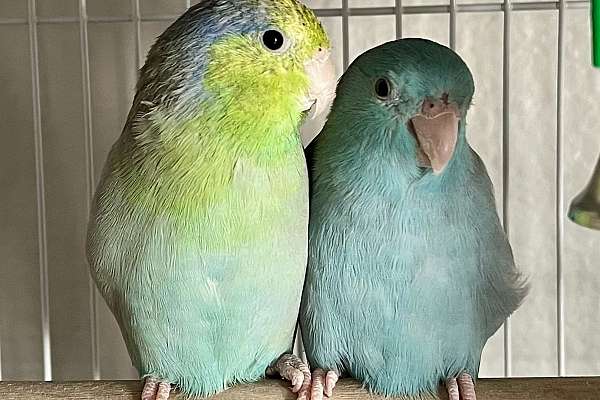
(273, 40)
(383, 88)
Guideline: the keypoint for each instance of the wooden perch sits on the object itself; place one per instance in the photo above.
(487, 389)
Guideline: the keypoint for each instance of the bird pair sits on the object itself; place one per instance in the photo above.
(199, 234)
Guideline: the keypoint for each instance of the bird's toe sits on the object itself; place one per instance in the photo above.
(452, 388)
(155, 390)
(466, 387)
(291, 368)
(461, 387)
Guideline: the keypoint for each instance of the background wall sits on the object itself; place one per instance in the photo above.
(51, 153)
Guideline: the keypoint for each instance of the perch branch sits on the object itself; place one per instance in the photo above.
(487, 389)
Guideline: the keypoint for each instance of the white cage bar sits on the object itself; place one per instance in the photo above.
(89, 167)
(40, 186)
(399, 11)
(452, 24)
(0, 356)
(506, 161)
(560, 197)
(345, 12)
(338, 12)
(345, 34)
(137, 31)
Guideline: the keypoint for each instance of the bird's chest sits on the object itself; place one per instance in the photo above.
(263, 203)
(422, 261)
(439, 234)
(439, 258)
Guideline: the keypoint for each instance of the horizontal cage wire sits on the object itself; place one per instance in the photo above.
(345, 12)
(341, 12)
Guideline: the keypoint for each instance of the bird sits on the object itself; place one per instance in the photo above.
(197, 236)
(409, 270)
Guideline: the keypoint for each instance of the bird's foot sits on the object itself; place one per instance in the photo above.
(322, 385)
(461, 388)
(290, 367)
(155, 389)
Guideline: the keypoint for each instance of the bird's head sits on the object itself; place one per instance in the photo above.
(410, 97)
(265, 62)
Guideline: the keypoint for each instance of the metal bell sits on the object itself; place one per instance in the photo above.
(585, 209)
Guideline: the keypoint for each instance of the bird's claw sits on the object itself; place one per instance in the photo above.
(322, 385)
(461, 388)
(291, 368)
(155, 389)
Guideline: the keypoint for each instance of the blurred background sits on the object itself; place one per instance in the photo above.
(67, 78)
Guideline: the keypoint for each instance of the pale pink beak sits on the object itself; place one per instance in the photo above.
(436, 130)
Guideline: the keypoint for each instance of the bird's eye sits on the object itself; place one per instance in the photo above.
(383, 88)
(273, 40)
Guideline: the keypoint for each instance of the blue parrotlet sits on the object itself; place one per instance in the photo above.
(410, 271)
(199, 227)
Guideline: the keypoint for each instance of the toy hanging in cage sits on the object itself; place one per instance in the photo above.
(585, 209)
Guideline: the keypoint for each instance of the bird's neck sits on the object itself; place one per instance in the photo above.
(226, 130)
(193, 160)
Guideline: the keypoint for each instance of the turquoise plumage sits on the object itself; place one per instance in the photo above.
(409, 269)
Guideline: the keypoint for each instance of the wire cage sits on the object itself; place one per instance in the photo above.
(67, 78)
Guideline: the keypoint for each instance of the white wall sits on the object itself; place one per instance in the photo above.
(479, 40)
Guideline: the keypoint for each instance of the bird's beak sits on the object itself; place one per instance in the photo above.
(436, 131)
(321, 74)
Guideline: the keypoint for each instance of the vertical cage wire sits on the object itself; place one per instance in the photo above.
(399, 15)
(560, 199)
(40, 189)
(89, 169)
(0, 355)
(188, 4)
(452, 24)
(506, 162)
(345, 34)
(137, 32)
